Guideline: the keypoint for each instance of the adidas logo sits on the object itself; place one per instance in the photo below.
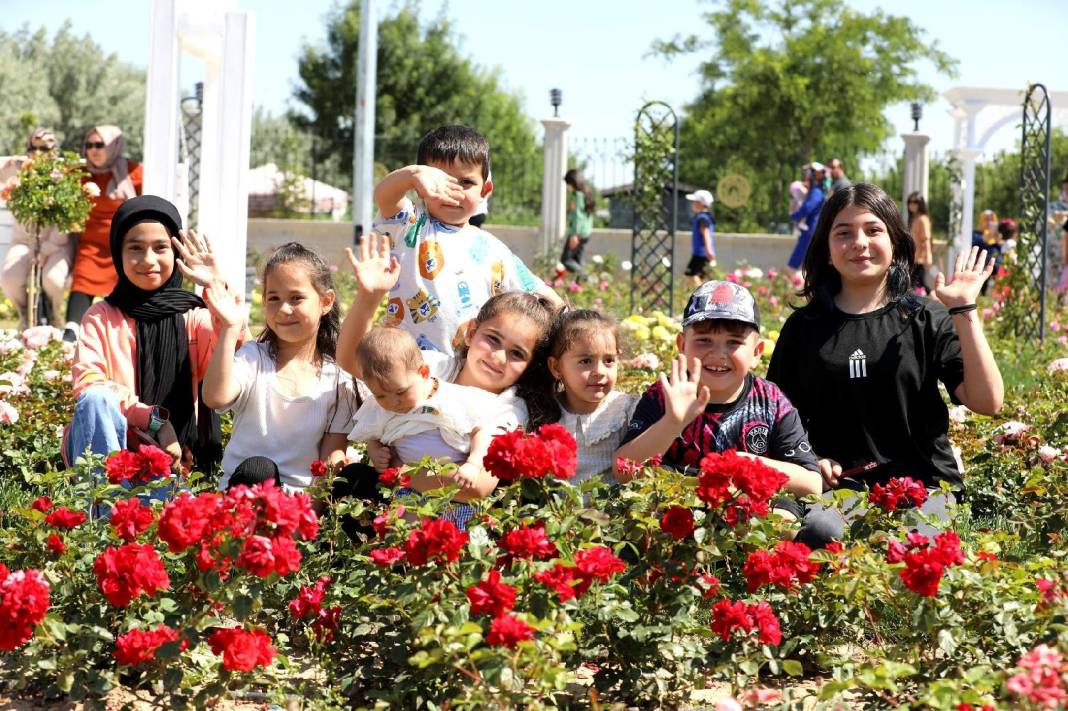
(858, 364)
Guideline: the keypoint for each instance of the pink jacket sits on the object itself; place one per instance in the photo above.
(107, 354)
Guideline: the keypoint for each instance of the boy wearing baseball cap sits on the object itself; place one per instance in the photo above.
(712, 402)
(704, 226)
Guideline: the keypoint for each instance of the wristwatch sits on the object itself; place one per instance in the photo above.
(156, 420)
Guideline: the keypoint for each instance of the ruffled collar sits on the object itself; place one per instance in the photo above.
(612, 416)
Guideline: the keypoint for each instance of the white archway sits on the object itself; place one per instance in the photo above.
(966, 105)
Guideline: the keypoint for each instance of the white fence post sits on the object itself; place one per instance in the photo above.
(553, 192)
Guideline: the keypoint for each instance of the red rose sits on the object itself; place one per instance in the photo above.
(124, 573)
(241, 650)
(491, 596)
(925, 563)
(766, 623)
(561, 579)
(257, 556)
(898, 492)
(286, 556)
(388, 478)
(56, 544)
(24, 600)
(755, 482)
(435, 539)
(42, 504)
(309, 601)
(123, 465)
(139, 646)
(598, 562)
(730, 615)
(130, 518)
(318, 468)
(326, 623)
(711, 586)
(65, 518)
(787, 566)
(507, 630)
(515, 455)
(156, 463)
(187, 519)
(528, 542)
(386, 556)
(677, 521)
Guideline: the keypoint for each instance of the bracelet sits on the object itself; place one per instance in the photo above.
(956, 310)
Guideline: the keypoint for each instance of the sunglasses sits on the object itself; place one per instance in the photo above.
(97, 144)
(38, 149)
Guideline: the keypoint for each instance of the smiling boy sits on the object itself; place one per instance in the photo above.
(448, 267)
(712, 402)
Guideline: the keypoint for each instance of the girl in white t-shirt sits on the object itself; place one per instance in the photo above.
(584, 361)
(291, 402)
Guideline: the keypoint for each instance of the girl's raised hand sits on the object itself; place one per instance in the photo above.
(684, 396)
(225, 306)
(376, 270)
(198, 262)
(970, 271)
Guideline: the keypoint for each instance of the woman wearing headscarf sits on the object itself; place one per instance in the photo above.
(54, 256)
(118, 180)
(145, 348)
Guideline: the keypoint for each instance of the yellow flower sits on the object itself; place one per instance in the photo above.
(773, 336)
(769, 347)
(662, 334)
(642, 333)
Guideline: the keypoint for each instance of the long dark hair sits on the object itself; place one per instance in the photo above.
(574, 178)
(535, 384)
(921, 206)
(822, 280)
(323, 281)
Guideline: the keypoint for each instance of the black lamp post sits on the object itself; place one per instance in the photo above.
(556, 97)
(917, 114)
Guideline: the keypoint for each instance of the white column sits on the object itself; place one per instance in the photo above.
(235, 139)
(161, 99)
(553, 190)
(963, 242)
(363, 155)
(916, 166)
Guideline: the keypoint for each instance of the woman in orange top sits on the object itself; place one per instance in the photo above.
(118, 180)
(920, 228)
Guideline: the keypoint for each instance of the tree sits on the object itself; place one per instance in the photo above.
(68, 84)
(422, 82)
(791, 81)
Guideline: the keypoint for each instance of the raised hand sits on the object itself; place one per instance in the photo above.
(225, 306)
(198, 262)
(437, 185)
(376, 270)
(970, 271)
(684, 396)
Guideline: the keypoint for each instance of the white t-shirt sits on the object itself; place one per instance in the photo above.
(446, 274)
(511, 405)
(285, 429)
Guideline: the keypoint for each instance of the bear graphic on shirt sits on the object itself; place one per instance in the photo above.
(431, 259)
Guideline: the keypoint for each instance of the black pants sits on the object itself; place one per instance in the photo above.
(357, 481)
(572, 258)
(77, 304)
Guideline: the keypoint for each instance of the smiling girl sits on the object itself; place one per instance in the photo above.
(145, 347)
(291, 402)
(863, 359)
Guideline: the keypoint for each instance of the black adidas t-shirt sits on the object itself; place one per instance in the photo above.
(866, 386)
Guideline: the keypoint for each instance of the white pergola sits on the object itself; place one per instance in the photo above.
(222, 37)
(999, 108)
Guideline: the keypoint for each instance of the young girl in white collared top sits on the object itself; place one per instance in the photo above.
(584, 361)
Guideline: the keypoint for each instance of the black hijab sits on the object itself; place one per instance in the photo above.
(164, 371)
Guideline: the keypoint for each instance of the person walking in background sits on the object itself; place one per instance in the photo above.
(54, 256)
(704, 226)
(580, 205)
(920, 229)
(808, 214)
(118, 180)
(838, 176)
(1062, 282)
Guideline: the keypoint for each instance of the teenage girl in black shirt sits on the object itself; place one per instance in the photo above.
(862, 360)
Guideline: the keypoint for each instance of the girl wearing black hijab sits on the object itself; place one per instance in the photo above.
(145, 348)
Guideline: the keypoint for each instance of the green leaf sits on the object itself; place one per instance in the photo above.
(792, 667)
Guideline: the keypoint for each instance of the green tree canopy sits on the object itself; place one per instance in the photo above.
(68, 84)
(789, 81)
(422, 82)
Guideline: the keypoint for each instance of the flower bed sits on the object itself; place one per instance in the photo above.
(644, 594)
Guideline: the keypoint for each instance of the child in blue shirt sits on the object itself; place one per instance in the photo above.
(704, 226)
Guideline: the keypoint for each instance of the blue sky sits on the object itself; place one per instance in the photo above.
(597, 52)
